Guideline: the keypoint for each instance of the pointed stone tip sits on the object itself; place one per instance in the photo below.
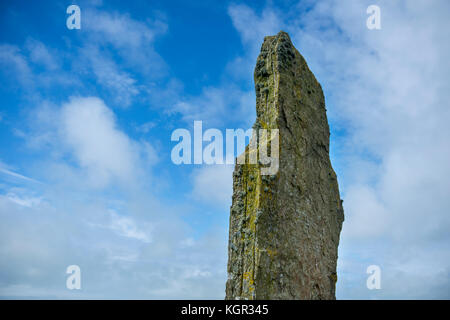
(282, 35)
(281, 38)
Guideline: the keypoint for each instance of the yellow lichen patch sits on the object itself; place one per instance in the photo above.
(334, 277)
(264, 125)
(248, 277)
(271, 253)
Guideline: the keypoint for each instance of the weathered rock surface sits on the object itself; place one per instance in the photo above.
(284, 228)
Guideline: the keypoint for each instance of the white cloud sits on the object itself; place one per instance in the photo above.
(146, 255)
(365, 216)
(114, 37)
(125, 226)
(213, 185)
(253, 28)
(123, 31)
(109, 75)
(116, 50)
(85, 148)
(6, 170)
(215, 105)
(146, 127)
(89, 130)
(188, 242)
(132, 39)
(40, 54)
(12, 57)
(24, 201)
(35, 67)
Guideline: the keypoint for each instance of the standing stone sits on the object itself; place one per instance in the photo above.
(284, 228)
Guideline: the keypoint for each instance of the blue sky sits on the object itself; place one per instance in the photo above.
(86, 118)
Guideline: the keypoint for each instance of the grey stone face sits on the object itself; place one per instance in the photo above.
(284, 228)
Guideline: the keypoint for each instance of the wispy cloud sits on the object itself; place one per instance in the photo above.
(17, 175)
(213, 185)
(5, 170)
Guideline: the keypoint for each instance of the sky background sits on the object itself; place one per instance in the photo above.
(86, 118)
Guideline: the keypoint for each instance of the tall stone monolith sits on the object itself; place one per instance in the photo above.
(285, 226)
